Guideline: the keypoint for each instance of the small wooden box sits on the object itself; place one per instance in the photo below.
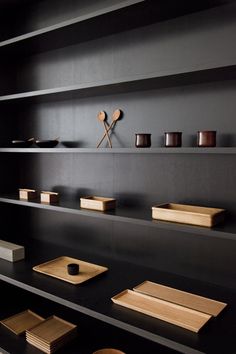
(11, 252)
(28, 194)
(49, 197)
(97, 203)
(188, 214)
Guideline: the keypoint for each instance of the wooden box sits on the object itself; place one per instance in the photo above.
(49, 197)
(28, 194)
(188, 214)
(97, 203)
(11, 252)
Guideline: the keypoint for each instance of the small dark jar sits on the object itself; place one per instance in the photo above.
(173, 139)
(73, 268)
(142, 140)
(206, 138)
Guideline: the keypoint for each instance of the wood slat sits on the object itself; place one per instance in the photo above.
(192, 301)
(163, 310)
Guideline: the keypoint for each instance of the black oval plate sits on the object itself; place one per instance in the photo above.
(46, 143)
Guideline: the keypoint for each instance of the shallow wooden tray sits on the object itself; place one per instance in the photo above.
(192, 301)
(50, 348)
(97, 203)
(57, 268)
(22, 321)
(163, 310)
(188, 214)
(51, 331)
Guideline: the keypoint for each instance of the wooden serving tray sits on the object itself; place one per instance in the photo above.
(22, 321)
(51, 335)
(97, 203)
(188, 214)
(57, 268)
(192, 301)
(51, 330)
(163, 310)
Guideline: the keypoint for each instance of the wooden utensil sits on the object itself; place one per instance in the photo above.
(115, 117)
(102, 116)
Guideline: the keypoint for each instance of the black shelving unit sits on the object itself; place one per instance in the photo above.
(168, 67)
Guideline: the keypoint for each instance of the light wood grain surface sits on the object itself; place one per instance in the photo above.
(195, 302)
(163, 310)
(57, 268)
(22, 321)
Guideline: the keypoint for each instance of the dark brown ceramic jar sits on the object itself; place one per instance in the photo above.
(142, 140)
(173, 139)
(206, 138)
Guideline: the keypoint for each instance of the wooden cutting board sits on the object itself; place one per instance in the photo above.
(163, 310)
(22, 321)
(192, 301)
(57, 268)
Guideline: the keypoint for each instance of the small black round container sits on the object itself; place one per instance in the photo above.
(73, 268)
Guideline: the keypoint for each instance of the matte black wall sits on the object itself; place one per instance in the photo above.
(199, 41)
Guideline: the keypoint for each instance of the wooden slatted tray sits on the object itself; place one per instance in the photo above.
(188, 214)
(22, 321)
(57, 268)
(195, 302)
(51, 334)
(163, 310)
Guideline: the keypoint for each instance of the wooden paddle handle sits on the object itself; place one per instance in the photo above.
(110, 127)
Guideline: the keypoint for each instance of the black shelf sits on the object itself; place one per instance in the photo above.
(157, 150)
(217, 335)
(133, 83)
(135, 216)
(104, 21)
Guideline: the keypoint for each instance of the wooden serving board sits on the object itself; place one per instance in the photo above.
(188, 214)
(51, 331)
(57, 268)
(22, 321)
(163, 310)
(192, 301)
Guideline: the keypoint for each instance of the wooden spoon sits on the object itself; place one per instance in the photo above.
(115, 116)
(102, 116)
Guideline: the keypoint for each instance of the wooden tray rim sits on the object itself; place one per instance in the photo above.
(102, 200)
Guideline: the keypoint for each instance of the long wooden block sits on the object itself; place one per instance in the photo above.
(11, 252)
(163, 310)
(192, 301)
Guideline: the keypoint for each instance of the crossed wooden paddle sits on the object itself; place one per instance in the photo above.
(102, 117)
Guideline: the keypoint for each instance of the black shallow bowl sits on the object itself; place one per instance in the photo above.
(22, 143)
(46, 143)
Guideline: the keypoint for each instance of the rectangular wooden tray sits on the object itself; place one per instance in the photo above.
(51, 331)
(163, 310)
(188, 214)
(97, 203)
(192, 301)
(57, 268)
(51, 335)
(22, 321)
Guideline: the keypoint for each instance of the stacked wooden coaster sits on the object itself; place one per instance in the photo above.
(51, 334)
(181, 308)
